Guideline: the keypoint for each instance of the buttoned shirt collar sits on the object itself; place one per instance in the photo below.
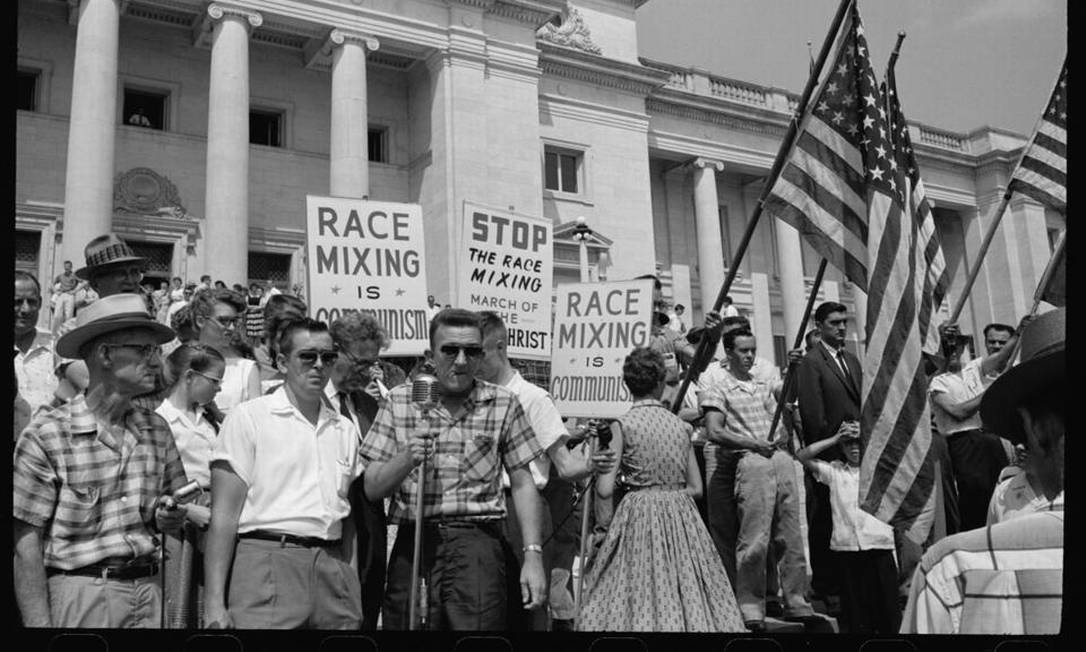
(168, 411)
(281, 405)
(833, 351)
(42, 340)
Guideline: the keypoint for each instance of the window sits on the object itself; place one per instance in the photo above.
(562, 170)
(266, 128)
(143, 108)
(264, 267)
(27, 245)
(378, 144)
(159, 257)
(26, 91)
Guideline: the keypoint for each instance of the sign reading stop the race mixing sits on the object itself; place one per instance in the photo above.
(369, 256)
(596, 326)
(507, 266)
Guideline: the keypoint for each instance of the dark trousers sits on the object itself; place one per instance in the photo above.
(824, 579)
(521, 619)
(977, 457)
(946, 480)
(465, 572)
(372, 540)
(868, 592)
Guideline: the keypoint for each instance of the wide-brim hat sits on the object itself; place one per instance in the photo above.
(1042, 367)
(104, 251)
(108, 314)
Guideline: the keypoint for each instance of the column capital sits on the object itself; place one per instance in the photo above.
(75, 5)
(702, 162)
(220, 10)
(338, 37)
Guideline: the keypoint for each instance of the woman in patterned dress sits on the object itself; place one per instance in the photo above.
(657, 569)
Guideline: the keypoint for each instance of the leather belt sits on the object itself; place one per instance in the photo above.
(110, 570)
(283, 539)
(489, 526)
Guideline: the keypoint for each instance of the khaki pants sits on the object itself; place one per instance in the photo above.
(286, 586)
(91, 602)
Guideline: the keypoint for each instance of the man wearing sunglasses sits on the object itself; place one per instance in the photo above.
(476, 430)
(280, 473)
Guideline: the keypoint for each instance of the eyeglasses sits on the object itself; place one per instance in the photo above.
(309, 358)
(356, 361)
(225, 322)
(145, 351)
(217, 382)
(453, 351)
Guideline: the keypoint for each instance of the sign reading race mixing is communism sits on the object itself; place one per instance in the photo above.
(507, 262)
(596, 326)
(369, 256)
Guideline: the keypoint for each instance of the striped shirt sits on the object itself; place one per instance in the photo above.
(1006, 578)
(462, 475)
(91, 487)
(748, 405)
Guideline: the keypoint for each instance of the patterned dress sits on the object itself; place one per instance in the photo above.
(657, 569)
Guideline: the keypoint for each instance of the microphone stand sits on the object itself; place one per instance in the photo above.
(416, 595)
(590, 488)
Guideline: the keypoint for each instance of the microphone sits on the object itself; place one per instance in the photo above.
(425, 392)
(604, 434)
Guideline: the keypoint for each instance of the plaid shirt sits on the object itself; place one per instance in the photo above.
(92, 488)
(747, 405)
(1006, 578)
(462, 475)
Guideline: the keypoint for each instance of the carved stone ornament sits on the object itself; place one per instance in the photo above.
(146, 192)
(573, 32)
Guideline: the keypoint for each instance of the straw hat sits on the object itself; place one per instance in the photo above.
(1042, 366)
(108, 314)
(106, 250)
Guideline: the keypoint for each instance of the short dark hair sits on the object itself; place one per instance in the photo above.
(207, 276)
(996, 326)
(67, 262)
(27, 276)
(280, 309)
(454, 317)
(727, 300)
(737, 320)
(286, 333)
(178, 278)
(643, 370)
(826, 308)
(729, 338)
(679, 306)
(491, 322)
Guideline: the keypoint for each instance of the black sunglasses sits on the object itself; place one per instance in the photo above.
(328, 358)
(452, 351)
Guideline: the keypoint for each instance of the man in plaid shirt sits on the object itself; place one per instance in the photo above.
(475, 430)
(92, 482)
(738, 415)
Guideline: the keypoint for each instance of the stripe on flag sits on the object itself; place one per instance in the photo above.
(1042, 174)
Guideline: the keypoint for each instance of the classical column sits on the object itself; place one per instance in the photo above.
(226, 253)
(349, 172)
(707, 220)
(793, 289)
(88, 181)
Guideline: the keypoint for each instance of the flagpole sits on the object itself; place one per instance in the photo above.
(1000, 210)
(789, 375)
(1046, 279)
(708, 344)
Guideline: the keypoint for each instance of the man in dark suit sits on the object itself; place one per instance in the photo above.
(354, 391)
(828, 389)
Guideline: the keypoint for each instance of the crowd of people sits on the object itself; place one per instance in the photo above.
(138, 407)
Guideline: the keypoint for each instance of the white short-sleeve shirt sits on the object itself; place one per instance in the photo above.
(1014, 497)
(297, 474)
(853, 528)
(194, 441)
(546, 423)
(235, 383)
(35, 370)
(959, 387)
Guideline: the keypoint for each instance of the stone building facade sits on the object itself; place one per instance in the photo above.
(195, 130)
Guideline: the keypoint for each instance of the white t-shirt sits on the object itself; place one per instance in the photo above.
(235, 383)
(296, 474)
(958, 387)
(853, 528)
(546, 423)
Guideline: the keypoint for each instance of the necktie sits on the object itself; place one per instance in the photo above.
(844, 368)
(343, 409)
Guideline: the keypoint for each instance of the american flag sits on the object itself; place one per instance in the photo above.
(1042, 174)
(852, 194)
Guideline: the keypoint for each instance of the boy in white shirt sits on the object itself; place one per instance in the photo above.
(862, 544)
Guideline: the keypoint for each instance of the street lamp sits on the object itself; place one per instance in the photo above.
(581, 233)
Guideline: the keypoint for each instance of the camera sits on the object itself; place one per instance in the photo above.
(603, 434)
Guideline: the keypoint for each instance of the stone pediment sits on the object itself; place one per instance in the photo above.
(146, 192)
(572, 32)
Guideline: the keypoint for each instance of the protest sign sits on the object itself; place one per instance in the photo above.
(369, 256)
(596, 326)
(508, 264)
